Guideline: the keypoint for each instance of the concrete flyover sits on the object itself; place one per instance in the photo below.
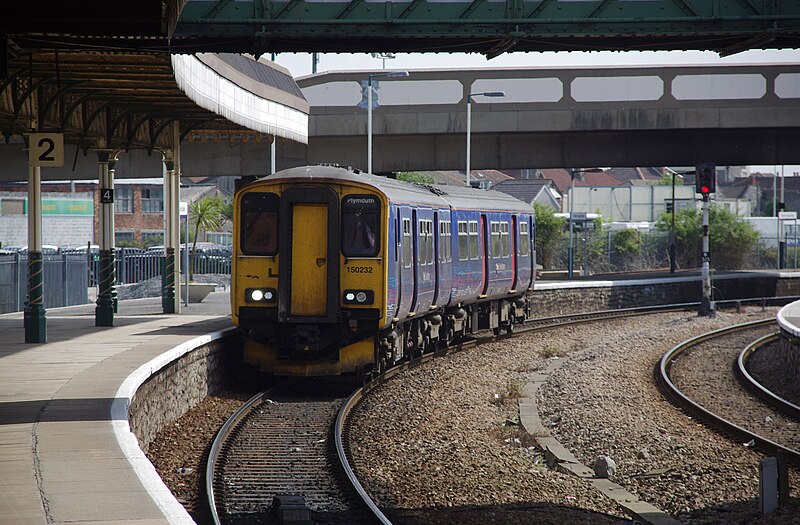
(558, 117)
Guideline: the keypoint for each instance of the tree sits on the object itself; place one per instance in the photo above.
(667, 179)
(413, 176)
(205, 214)
(731, 240)
(549, 238)
(227, 210)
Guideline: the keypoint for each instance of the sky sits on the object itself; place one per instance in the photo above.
(299, 64)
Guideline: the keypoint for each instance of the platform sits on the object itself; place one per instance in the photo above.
(789, 319)
(62, 451)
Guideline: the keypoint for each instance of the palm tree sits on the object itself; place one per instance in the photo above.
(205, 213)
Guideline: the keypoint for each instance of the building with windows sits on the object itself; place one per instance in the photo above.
(71, 217)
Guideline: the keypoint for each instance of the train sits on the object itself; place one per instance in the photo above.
(340, 272)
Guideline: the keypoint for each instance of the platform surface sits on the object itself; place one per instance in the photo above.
(789, 318)
(60, 459)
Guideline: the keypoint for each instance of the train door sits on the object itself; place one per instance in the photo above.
(309, 256)
(308, 284)
(513, 252)
(485, 255)
(406, 271)
(437, 238)
(415, 251)
(395, 288)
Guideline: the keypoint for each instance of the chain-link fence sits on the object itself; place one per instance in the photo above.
(611, 251)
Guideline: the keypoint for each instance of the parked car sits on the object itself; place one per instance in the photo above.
(47, 249)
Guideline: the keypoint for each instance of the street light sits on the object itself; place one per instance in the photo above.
(672, 252)
(369, 110)
(469, 120)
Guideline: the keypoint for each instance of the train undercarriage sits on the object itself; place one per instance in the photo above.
(352, 346)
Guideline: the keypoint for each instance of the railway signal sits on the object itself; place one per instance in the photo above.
(705, 184)
(706, 179)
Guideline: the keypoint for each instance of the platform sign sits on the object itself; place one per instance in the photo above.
(46, 150)
(106, 196)
(787, 215)
(183, 209)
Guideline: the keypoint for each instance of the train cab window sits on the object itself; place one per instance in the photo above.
(406, 243)
(473, 240)
(259, 235)
(524, 241)
(463, 241)
(360, 226)
(504, 241)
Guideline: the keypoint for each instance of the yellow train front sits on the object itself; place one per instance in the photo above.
(308, 281)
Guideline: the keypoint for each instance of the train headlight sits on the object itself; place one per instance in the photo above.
(359, 297)
(259, 295)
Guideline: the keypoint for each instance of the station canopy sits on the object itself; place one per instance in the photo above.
(104, 75)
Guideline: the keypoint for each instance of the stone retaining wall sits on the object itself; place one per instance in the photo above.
(577, 298)
(181, 385)
(172, 391)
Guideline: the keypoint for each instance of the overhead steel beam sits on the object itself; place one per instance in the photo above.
(486, 27)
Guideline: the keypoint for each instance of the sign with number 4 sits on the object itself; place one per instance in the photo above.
(46, 150)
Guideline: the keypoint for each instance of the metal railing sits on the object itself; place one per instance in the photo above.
(65, 281)
(68, 276)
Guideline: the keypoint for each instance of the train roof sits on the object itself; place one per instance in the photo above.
(406, 192)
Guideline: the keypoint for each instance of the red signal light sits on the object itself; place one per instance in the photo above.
(705, 189)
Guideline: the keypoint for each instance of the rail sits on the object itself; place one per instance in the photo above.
(674, 393)
(769, 397)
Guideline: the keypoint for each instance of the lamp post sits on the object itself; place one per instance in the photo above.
(383, 56)
(672, 249)
(369, 110)
(469, 120)
(570, 252)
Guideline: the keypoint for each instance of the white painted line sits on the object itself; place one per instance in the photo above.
(784, 323)
(145, 470)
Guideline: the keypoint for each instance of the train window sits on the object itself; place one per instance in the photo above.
(463, 241)
(444, 241)
(429, 241)
(448, 242)
(473, 240)
(495, 228)
(360, 226)
(396, 239)
(407, 243)
(524, 242)
(504, 238)
(259, 229)
(421, 242)
(425, 242)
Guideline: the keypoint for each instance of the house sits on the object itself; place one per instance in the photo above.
(760, 190)
(531, 191)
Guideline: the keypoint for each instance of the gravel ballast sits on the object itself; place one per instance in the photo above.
(441, 443)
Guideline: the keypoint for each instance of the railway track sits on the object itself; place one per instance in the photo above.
(703, 377)
(289, 444)
(771, 398)
(281, 443)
